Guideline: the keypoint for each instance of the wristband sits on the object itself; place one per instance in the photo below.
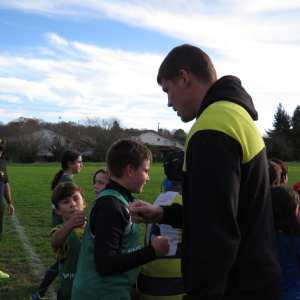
(9, 202)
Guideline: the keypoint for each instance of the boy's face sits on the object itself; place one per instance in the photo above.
(68, 205)
(140, 177)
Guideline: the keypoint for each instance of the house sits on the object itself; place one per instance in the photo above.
(164, 145)
(49, 136)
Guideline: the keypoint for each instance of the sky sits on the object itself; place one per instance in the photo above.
(68, 60)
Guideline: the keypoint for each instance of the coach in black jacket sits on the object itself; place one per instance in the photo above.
(229, 249)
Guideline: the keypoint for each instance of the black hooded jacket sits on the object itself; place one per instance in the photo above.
(228, 246)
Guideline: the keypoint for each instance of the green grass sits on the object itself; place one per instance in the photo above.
(31, 193)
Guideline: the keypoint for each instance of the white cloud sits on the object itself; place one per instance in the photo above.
(90, 81)
(45, 51)
(266, 5)
(244, 38)
(54, 38)
(13, 115)
(10, 98)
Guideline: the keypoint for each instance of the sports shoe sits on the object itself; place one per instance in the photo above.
(3, 275)
(36, 296)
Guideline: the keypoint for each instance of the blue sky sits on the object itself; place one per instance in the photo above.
(97, 58)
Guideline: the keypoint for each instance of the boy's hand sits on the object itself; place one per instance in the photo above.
(161, 245)
(134, 295)
(143, 212)
(77, 219)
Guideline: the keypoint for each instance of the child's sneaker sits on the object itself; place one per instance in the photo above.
(36, 296)
(3, 275)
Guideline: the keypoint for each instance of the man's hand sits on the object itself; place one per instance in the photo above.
(161, 245)
(11, 209)
(143, 212)
(77, 219)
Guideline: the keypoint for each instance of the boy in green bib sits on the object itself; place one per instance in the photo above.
(69, 202)
(110, 253)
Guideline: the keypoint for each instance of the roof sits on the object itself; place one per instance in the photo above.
(160, 134)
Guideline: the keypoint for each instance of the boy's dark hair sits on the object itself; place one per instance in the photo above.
(284, 204)
(69, 155)
(102, 170)
(283, 166)
(274, 172)
(126, 152)
(173, 165)
(64, 190)
(190, 59)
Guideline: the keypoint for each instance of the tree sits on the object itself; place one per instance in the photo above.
(295, 120)
(279, 146)
(103, 133)
(295, 135)
(31, 144)
(180, 135)
(58, 147)
(166, 133)
(282, 121)
(279, 141)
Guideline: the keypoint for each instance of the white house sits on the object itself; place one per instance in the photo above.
(163, 144)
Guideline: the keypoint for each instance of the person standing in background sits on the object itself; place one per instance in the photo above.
(4, 192)
(71, 163)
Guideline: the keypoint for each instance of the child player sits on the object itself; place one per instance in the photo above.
(162, 279)
(100, 180)
(110, 253)
(69, 202)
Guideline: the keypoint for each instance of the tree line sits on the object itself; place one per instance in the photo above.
(26, 138)
(283, 140)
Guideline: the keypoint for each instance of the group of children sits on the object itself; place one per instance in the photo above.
(103, 251)
(285, 205)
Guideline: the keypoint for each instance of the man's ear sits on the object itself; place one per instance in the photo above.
(84, 203)
(70, 163)
(184, 76)
(58, 212)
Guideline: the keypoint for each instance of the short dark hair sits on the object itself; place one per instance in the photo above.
(284, 204)
(126, 152)
(102, 170)
(283, 166)
(190, 59)
(64, 190)
(274, 172)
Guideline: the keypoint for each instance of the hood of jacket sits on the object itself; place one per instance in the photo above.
(229, 88)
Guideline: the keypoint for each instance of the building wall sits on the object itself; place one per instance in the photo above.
(155, 139)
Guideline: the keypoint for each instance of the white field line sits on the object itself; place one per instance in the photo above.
(34, 258)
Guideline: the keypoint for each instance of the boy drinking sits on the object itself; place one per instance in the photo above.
(110, 253)
(69, 202)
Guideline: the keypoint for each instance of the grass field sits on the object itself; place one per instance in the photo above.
(31, 193)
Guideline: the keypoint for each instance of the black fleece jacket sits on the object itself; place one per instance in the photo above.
(108, 218)
(228, 246)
